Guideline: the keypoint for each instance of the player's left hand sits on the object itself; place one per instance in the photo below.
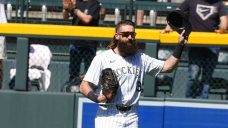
(101, 99)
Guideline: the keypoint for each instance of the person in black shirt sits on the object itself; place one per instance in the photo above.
(205, 16)
(85, 13)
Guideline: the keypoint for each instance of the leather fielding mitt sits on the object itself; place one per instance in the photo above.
(109, 84)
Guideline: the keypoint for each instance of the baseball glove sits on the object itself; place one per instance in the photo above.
(109, 84)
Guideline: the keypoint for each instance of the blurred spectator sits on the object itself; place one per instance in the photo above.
(140, 14)
(102, 14)
(205, 16)
(84, 13)
(2, 40)
(140, 17)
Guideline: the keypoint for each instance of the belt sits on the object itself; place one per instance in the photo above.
(123, 108)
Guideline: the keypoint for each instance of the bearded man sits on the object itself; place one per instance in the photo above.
(129, 66)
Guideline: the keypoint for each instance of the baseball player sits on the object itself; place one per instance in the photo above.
(129, 65)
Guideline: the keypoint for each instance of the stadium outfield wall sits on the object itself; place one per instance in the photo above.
(69, 110)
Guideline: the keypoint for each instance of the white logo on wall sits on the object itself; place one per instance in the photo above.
(205, 11)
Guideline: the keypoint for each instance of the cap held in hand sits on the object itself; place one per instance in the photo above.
(178, 21)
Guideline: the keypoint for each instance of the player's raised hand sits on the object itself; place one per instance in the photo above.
(182, 39)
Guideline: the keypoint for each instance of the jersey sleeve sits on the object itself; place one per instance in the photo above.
(152, 65)
(94, 71)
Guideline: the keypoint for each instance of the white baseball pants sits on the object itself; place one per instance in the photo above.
(113, 118)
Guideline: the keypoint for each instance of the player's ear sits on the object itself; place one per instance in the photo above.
(117, 36)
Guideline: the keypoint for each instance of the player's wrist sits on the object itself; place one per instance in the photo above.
(178, 50)
(92, 96)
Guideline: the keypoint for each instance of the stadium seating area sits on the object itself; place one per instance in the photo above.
(31, 11)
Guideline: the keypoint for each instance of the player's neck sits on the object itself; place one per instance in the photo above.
(116, 51)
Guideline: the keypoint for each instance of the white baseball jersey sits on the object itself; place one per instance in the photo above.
(129, 72)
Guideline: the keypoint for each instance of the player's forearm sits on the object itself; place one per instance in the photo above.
(173, 60)
(85, 88)
(87, 91)
(170, 64)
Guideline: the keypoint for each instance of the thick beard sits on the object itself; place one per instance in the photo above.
(127, 48)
